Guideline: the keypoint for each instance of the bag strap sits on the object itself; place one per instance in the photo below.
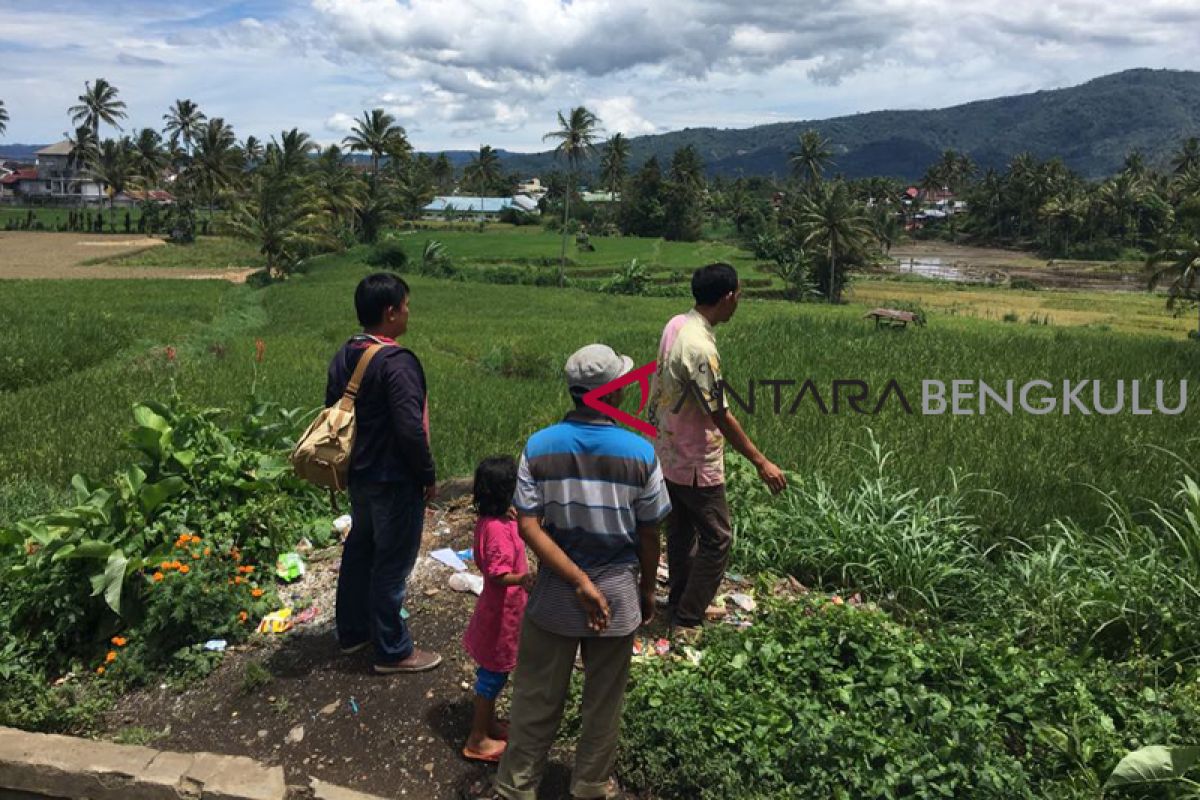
(356, 378)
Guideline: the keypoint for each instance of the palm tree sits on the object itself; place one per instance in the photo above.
(1189, 156)
(376, 133)
(148, 157)
(576, 136)
(97, 104)
(1179, 261)
(215, 160)
(3, 118)
(612, 164)
(112, 166)
(252, 151)
(828, 217)
(483, 172)
(812, 157)
(337, 189)
(84, 150)
(289, 154)
(284, 225)
(183, 123)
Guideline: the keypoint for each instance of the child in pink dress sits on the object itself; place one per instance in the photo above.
(492, 635)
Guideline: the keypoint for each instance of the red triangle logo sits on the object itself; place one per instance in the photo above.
(642, 376)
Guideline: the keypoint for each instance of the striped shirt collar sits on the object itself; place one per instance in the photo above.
(588, 415)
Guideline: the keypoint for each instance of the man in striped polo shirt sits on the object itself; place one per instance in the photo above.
(589, 500)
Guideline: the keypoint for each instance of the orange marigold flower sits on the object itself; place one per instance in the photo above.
(158, 576)
(185, 569)
(99, 670)
(176, 565)
(111, 657)
(119, 641)
(243, 616)
(165, 566)
(238, 580)
(256, 593)
(245, 570)
(208, 551)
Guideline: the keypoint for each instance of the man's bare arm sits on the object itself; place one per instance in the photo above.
(649, 549)
(770, 474)
(551, 556)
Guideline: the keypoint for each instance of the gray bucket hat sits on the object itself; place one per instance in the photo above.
(595, 365)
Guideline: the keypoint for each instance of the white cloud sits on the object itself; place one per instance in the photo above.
(620, 115)
(340, 122)
(458, 73)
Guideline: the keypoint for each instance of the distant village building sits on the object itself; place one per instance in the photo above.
(601, 197)
(532, 188)
(55, 177)
(485, 207)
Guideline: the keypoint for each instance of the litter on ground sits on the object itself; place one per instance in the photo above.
(276, 622)
(466, 582)
(449, 558)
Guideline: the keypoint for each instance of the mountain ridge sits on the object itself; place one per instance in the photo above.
(1092, 126)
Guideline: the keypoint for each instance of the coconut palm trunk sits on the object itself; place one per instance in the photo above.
(562, 261)
(832, 274)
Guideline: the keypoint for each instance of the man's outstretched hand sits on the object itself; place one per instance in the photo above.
(772, 476)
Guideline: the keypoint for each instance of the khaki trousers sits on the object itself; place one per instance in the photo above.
(541, 683)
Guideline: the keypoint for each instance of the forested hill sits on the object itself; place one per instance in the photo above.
(1091, 127)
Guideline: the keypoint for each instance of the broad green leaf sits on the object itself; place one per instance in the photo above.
(1151, 765)
(149, 441)
(114, 580)
(147, 418)
(91, 548)
(185, 457)
(83, 489)
(63, 552)
(153, 495)
(134, 478)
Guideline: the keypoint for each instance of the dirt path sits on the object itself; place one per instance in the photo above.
(396, 736)
(39, 255)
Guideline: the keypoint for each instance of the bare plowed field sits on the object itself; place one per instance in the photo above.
(37, 255)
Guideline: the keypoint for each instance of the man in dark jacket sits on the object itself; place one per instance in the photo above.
(391, 479)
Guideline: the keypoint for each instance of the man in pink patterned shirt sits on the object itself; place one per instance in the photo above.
(688, 407)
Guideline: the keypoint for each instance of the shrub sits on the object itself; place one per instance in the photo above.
(389, 256)
(825, 700)
(515, 216)
(633, 278)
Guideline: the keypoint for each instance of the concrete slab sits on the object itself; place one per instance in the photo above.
(67, 767)
(327, 791)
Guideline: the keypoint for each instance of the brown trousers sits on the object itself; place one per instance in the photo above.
(541, 684)
(699, 535)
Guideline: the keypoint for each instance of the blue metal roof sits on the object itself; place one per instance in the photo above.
(469, 205)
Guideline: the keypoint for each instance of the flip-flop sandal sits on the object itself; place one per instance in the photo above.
(487, 758)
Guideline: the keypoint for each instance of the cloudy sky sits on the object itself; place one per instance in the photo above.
(461, 73)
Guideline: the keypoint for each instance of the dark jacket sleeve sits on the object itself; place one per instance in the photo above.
(332, 384)
(405, 383)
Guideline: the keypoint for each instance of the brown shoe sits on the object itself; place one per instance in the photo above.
(419, 661)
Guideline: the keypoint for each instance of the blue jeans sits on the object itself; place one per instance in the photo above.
(377, 559)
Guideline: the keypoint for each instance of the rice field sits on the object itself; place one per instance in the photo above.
(493, 354)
